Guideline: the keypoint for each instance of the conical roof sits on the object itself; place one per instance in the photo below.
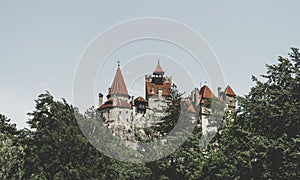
(205, 92)
(118, 86)
(229, 91)
(158, 70)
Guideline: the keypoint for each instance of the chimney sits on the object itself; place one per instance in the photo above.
(193, 95)
(100, 99)
(160, 94)
(219, 91)
(132, 100)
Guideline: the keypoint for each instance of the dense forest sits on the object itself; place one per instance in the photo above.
(261, 142)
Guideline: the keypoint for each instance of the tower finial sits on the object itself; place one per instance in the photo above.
(118, 63)
(158, 61)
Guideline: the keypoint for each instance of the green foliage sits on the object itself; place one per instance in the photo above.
(185, 162)
(6, 127)
(125, 170)
(11, 151)
(263, 140)
(57, 147)
(172, 113)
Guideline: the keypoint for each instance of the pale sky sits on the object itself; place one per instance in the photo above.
(41, 42)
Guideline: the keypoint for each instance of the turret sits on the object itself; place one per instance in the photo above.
(100, 99)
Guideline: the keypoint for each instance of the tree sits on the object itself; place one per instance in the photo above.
(57, 148)
(186, 161)
(169, 121)
(263, 140)
(11, 152)
(6, 127)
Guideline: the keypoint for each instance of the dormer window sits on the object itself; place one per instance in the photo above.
(152, 90)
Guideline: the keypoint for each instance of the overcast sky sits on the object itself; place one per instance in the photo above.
(41, 41)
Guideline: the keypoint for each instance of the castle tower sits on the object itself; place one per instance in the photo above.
(157, 89)
(230, 99)
(117, 106)
(205, 96)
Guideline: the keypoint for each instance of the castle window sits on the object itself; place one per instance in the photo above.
(120, 112)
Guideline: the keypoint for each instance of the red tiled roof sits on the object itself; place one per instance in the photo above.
(165, 88)
(110, 100)
(158, 69)
(115, 102)
(140, 98)
(191, 109)
(229, 91)
(203, 101)
(205, 92)
(190, 106)
(118, 86)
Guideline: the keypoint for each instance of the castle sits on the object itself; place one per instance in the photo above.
(124, 113)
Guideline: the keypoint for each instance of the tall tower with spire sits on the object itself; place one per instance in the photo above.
(117, 107)
(157, 89)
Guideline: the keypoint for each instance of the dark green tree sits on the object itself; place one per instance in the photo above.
(186, 161)
(169, 121)
(57, 148)
(6, 127)
(11, 151)
(263, 140)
